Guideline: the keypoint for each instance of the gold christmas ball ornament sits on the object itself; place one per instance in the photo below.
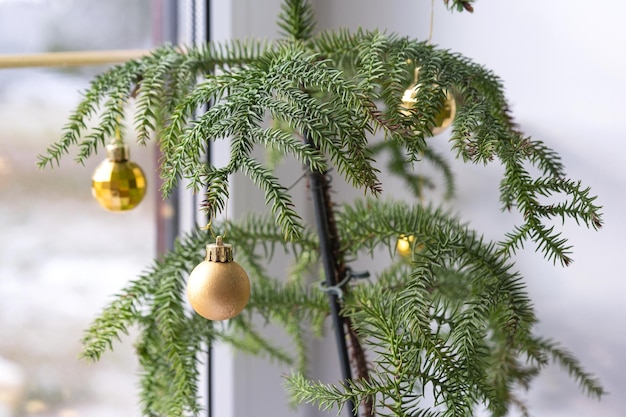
(117, 183)
(444, 117)
(404, 245)
(218, 288)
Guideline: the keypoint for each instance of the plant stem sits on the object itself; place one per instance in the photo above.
(335, 272)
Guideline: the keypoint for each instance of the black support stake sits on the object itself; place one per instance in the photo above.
(318, 184)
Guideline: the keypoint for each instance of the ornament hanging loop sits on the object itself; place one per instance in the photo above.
(117, 138)
(432, 21)
(210, 229)
(209, 225)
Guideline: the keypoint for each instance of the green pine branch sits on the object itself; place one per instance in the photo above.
(542, 350)
(296, 19)
(400, 165)
(460, 5)
(482, 331)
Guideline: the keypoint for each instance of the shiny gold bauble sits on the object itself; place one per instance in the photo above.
(444, 117)
(218, 288)
(404, 245)
(117, 183)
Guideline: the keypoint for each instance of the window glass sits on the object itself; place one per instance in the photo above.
(62, 256)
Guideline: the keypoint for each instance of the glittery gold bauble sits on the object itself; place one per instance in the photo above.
(117, 183)
(404, 245)
(218, 288)
(446, 114)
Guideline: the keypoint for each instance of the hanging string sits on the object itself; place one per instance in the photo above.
(432, 21)
(431, 25)
(118, 134)
(210, 228)
(300, 178)
(117, 139)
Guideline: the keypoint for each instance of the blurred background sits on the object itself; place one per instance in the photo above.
(62, 257)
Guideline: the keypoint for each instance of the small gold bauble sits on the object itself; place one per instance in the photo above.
(404, 245)
(218, 288)
(444, 117)
(117, 183)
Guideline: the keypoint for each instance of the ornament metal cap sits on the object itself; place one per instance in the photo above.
(118, 152)
(219, 251)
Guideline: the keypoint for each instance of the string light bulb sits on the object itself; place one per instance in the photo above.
(218, 288)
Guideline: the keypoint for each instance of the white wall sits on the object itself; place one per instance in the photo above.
(563, 66)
